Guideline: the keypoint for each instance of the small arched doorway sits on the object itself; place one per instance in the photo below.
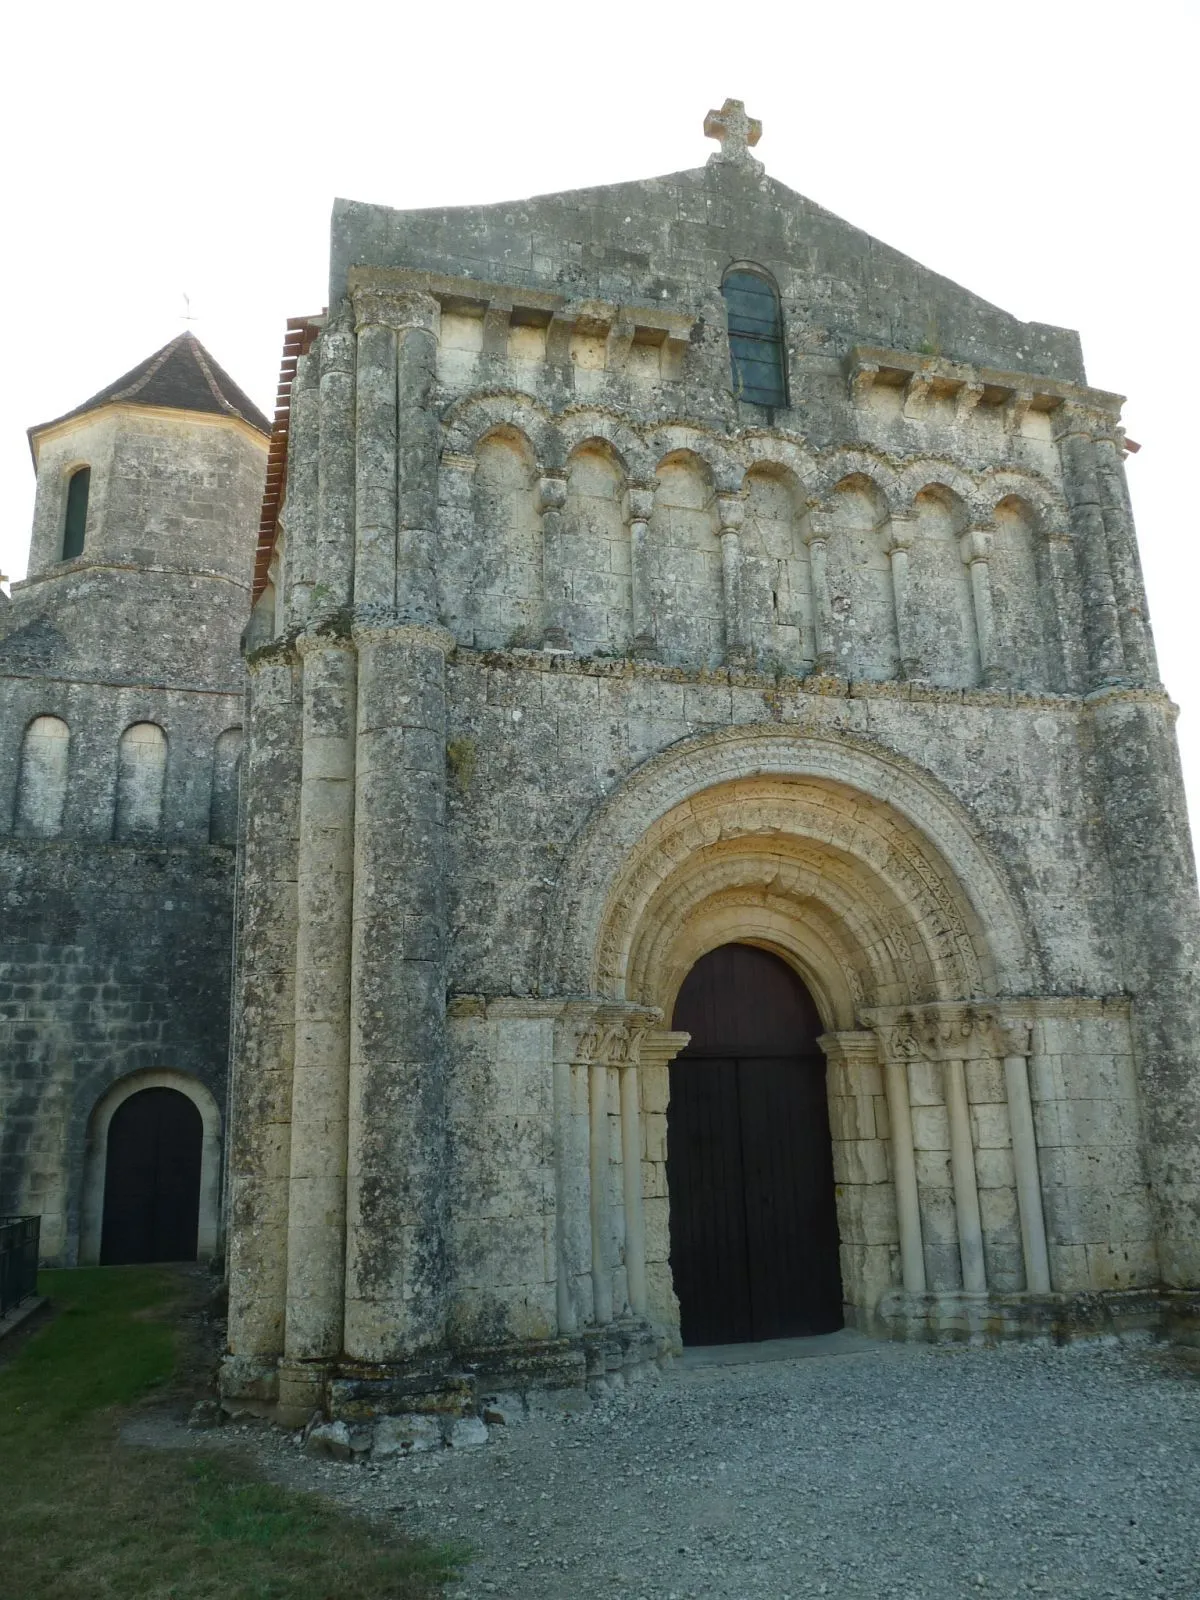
(754, 1241)
(152, 1179)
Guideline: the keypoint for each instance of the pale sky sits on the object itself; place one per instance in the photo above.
(1042, 154)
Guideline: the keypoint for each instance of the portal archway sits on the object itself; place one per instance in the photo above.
(133, 1123)
(753, 1225)
(861, 873)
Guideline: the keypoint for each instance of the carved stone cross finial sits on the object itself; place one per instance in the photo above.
(737, 132)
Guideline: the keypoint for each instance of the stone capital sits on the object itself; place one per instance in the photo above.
(398, 309)
(639, 501)
(975, 545)
(900, 533)
(551, 492)
(331, 633)
(603, 1032)
(951, 1031)
(370, 632)
(731, 512)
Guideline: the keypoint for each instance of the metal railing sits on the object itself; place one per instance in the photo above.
(19, 1240)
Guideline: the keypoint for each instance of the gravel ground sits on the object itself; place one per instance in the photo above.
(898, 1471)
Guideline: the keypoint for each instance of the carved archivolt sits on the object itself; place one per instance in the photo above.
(848, 835)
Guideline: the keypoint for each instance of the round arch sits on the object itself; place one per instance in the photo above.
(96, 1157)
(850, 861)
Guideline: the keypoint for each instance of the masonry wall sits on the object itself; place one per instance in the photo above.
(121, 715)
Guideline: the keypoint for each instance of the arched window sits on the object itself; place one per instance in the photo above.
(76, 520)
(223, 812)
(755, 337)
(42, 785)
(141, 774)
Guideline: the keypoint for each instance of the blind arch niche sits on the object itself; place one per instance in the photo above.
(755, 336)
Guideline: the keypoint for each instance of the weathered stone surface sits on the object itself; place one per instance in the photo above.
(117, 837)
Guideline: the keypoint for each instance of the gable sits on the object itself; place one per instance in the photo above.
(668, 241)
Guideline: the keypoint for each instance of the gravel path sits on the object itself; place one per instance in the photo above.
(897, 1472)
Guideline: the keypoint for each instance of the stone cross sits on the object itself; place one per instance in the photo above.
(737, 132)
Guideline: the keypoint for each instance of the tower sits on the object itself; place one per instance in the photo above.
(120, 726)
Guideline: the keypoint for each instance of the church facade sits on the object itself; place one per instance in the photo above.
(714, 851)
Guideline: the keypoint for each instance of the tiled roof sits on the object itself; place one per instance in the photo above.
(181, 376)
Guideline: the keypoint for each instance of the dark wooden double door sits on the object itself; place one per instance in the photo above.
(152, 1179)
(754, 1243)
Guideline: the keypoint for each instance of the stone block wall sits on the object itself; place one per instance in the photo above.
(113, 960)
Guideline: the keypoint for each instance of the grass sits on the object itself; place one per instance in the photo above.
(82, 1515)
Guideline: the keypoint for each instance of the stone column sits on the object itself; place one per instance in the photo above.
(260, 1091)
(639, 505)
(418, 445)
(396, 1179)
(324, 892)
(300, 505)
(731, 509)
(897, 1048)
(333, 554)
(1105, 651)
(824, 641)
(375, 453)
(966, 1186)
(1065, 632)
(1128, 589)
(602, 1251)
(899, 543)
(552, 497)
(572, 1168)
(631, 1178)
(1025, 1163)
(975, 548)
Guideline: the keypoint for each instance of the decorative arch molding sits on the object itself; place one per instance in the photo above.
(931, 906)
(583, 426)
(466, 424)
(935, 472)
(1049, 507)
(720, 458)
(95, 1160)
(838, 465)
(766, 453)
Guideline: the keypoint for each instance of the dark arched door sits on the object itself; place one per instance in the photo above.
(754, 1243)
(152, 1179)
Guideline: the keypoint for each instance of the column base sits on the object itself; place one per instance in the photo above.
(448, 1384)
(1171, 1314)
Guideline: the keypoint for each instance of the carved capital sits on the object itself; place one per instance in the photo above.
(975, 545)
(552, 493)
(731, 512)
(639, 502)
(900, 533)
(951, 1031)
(376, 307)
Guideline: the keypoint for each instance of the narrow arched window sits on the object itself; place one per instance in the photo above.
(223, 811)
(755, 337)
(42, 785)
(77, 504)
(141, 775)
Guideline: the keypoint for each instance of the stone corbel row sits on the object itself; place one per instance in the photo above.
(1013, 394)
(951, 1034)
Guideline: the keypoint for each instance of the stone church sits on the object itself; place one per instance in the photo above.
(713, 859)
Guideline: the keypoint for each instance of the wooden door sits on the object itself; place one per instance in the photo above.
(152, 1179)
(754, 1244)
